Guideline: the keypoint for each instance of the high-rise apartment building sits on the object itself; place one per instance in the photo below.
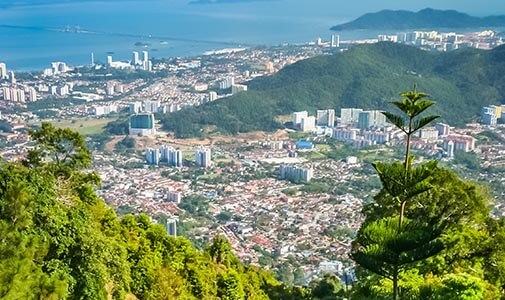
(136, 107)
(152, 106)
(238, 88)
(226, 83)
(298, 117)
(172, 227)
(325, 117)
(32, 94)
(489, 115)
(153, 156)
(203, 157)
(171, 156)
(308, 124)
(295, 173)
(136, 58)
(372, 118)
(212, 96)
(335, 41)
(3, 71)
(349, 116)
(142, 124)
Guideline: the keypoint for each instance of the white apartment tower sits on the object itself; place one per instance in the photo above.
(335, 41)
(3, 71)
(136, 58)
(326, 118)
(203, 157)
(298, 117)
(145, 56)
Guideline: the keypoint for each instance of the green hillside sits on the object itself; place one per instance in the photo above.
(367, 76)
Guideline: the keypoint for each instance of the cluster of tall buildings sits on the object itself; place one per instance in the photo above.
(173, 157)
(238, 88)
(151, 106)
(458, 142)
(229, 82)
(334, 43)
(203, 157)
(165, 154)
(21, 95)
(226, 83)
(492, 114)
(56, 68)
(361, 138)
(296, 173)
(102, 110)
(445, 41)
(61, 90)
(137, 62)
(362, 128)
(362, 119)
(325, 118)
(112, 88)
(4, 74)
(349, 117)
(144, 63)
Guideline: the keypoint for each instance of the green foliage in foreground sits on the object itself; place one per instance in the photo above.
(58, 240)
(367, 76)
(428, 234)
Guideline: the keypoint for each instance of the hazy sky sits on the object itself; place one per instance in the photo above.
(477, 7)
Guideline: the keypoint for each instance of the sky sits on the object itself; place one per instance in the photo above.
(474, 7)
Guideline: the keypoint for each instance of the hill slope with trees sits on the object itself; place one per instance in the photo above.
(59, 240)
(367, 76)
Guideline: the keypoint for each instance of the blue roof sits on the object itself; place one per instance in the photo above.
(304, 144)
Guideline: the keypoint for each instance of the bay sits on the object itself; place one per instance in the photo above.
(32, 36)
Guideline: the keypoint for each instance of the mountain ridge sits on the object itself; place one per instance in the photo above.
(367, 76)
(427, 18)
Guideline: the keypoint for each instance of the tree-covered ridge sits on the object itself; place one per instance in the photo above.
(366, 76)
(58, 240)
(423, 19)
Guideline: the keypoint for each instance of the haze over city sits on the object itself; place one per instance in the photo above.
(252, 149)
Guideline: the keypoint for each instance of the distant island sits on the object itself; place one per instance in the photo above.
(224, 1)
(423, 19)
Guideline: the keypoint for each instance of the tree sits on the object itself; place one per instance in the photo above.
(220, 250)
(62, 148)
(412, 106)
(59, 240)
(229, 287)
(383, 247)
(328, 288)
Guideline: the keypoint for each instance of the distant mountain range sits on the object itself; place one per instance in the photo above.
(424, 19)
(367, 76)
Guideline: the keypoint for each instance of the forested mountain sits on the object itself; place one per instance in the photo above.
(424, 19)
(367, 76)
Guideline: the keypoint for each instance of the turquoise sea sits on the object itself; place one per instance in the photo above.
(31, 36)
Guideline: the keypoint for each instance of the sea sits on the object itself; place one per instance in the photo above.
(33, 36)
